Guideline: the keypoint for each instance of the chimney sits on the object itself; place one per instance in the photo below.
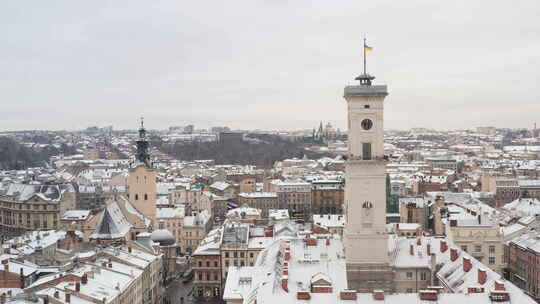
(56, 294)
(68, 297)
(78, 287)
(499, 285)
(21, 275)
(303, 295)
(428, 249)
(444, 247)
(475, 289)
(482, 276)
(287, 254)
(285, 283)
(453, 254)
(348, 295)
(84, 278)
(428, 295)
(411, 249)
(467, 264)
(378, 295)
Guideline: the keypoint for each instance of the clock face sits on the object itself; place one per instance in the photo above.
(366, 124)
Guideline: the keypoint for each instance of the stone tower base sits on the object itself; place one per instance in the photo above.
(368, 277)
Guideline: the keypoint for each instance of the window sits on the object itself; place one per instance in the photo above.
(215, 264)
(251, 254)
(235, 254)
(477, 248)
(366, 151)
(145, 197)
(464, 248)
(491, 249)
(241, 254)
(491, 260)
(423, 276)
(366, 106)
(136, 197)
(409, 290)
(242, 263)
(409, 275)
(227, 264)
(200, 264)
(207, 263)
(226, 254)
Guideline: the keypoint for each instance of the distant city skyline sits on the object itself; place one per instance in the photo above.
(265, 65)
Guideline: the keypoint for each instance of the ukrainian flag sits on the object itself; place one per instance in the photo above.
(367, 48)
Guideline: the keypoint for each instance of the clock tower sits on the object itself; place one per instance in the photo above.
(365, 237)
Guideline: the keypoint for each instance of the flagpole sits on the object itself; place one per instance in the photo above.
(364, 55)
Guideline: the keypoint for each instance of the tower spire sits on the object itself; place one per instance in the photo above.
(143, 155)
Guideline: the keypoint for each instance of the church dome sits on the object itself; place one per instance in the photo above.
(163, 237)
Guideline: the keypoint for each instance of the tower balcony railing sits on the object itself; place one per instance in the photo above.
(375, 158)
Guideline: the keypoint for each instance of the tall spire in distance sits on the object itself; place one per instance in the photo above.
(143, 156)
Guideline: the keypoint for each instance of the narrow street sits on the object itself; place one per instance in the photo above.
(178, 291)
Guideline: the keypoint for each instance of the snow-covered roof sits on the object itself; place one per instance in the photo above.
(329, 220)
(258, 194)
(220, 186)
(113, 224)
(524, 206)
(76, 215)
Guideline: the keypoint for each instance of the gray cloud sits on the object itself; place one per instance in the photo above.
(265, 64)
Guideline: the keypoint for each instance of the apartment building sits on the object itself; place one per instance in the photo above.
(34, 206)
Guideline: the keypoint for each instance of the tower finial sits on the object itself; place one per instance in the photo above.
(142, 122)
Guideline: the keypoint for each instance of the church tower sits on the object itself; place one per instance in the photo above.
(365, 238)
(142, 185)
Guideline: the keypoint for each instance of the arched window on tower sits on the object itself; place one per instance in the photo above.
(136, 197)
(145, 197)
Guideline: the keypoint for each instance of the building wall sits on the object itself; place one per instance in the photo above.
(409, 280)
(296, 198)
(262, 203)
(484, 243)
(142, 190)
(207, 276)
(327, 201)
(34, 214)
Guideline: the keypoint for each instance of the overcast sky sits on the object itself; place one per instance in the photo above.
(271, 64)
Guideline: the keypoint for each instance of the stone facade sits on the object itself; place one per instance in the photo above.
(365, 190)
